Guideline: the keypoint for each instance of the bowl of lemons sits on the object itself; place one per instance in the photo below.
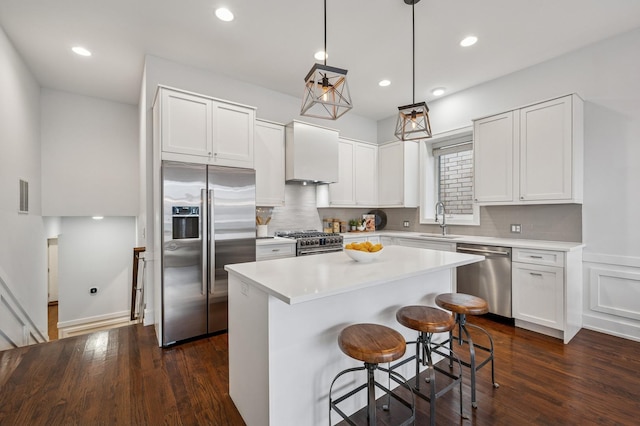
(363, 252)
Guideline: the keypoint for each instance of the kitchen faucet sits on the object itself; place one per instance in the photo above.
(443, 225)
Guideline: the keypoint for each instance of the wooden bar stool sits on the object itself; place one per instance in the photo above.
(427, 321)
(462, 305)
(372, 344)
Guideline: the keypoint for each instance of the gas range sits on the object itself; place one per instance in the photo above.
(313, 242)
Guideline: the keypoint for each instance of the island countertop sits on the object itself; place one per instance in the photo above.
(304, 278)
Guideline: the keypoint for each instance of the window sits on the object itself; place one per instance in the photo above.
(447, 176)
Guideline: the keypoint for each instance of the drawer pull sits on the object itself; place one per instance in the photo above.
(535, 274)
(275, 250)
(535, 257)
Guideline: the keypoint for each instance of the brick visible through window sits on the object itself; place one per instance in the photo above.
(455, 187)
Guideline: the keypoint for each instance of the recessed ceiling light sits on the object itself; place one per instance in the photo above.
(438, 91)
(321, 55)
(468, 41)
(79, 50)
(97, 217)
(384, 83)
(224, 14)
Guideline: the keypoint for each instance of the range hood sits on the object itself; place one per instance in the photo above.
(311, 153)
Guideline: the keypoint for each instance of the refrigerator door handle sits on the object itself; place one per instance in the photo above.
(212, 244)
(204, 209)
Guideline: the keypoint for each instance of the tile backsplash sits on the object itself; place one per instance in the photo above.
(299, 212)
(552, 222)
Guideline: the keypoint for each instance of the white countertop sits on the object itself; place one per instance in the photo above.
(492, 241)
(274, 240)
(299, 279)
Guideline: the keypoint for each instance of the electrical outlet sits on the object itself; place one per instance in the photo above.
(405, 224)
(516, 228)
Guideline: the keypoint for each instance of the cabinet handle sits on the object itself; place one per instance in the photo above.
(522, 197)
(535, 274)
(210, 153)
(535, 257)
(275, 250)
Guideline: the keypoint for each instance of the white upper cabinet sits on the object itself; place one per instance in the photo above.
(269, 161)
(398, 179)
(201, 129)
(533, 155)
(357, 166)
(495, 154)
(186, 123)
(343, 192)
(366, 167)
(546, 151)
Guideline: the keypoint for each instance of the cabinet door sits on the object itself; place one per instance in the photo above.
(545, 151)
(233, 133)
(342, 192)
(365, 166)
(538, 294)
(186, 124)
(493, 153)
(390, 175)
(269, 162)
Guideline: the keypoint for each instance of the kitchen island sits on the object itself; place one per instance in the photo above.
(285, 316)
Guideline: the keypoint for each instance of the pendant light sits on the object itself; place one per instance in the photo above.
(413, 120)
(326, 93)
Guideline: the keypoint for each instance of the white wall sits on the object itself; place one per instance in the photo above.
(607, 76)
(95, 253)
(90, 156)
(23, 245)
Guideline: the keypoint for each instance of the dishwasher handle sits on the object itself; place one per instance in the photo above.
(479, 251)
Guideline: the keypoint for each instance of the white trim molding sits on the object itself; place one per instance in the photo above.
(93, 324)
(16, 326)
(612, 296)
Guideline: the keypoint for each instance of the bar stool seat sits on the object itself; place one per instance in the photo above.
(428, 321)
(372, 344)
(462, 305)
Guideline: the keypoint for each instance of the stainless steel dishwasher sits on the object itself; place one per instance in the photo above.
(490, 279)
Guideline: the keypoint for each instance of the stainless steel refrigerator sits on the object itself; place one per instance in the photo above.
(208, 222)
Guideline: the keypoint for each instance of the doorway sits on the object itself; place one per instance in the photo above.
(52, 283)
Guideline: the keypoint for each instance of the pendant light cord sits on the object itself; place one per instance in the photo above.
(413, 26)
(325, 32)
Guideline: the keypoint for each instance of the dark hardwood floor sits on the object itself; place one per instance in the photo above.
(121, 377)
(52, 313)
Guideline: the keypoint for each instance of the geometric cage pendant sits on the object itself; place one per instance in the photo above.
(326, 93)
(413, 122)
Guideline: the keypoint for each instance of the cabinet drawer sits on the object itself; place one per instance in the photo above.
(538, 257)
(273, 251)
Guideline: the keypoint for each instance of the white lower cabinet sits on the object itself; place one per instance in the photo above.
(547, 291)
(538, 294)
(275, 251)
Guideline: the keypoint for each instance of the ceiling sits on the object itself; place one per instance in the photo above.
(271, 43)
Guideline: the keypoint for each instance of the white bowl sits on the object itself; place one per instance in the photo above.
(363, 256)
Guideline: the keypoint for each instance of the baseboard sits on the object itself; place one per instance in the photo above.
(615, 327)
(93, 324)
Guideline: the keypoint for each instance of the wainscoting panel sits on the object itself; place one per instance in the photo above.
(612, 296)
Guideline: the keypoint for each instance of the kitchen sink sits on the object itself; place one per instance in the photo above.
(446, 237)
